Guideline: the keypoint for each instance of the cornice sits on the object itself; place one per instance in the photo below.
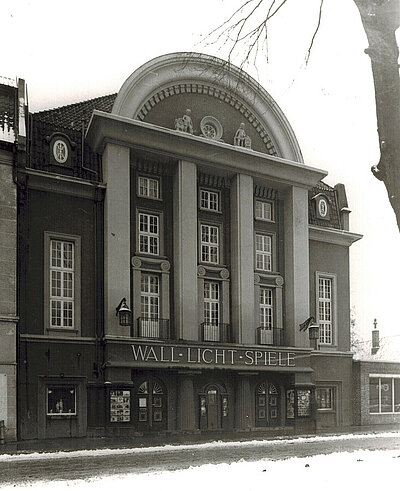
(109, 128)
(333, 236)
(56, 183)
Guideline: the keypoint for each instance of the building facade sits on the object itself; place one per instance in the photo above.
(173, 251)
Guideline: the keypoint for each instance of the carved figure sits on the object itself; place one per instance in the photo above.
(185, 123)
(241, 139)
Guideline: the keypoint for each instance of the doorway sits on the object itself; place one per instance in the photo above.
(151, 405)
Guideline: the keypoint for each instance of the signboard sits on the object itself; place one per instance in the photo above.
(190, 355)
(303, 402)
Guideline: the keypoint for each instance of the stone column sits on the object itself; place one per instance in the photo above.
(297, 286)
(244, 403)
(117, 223)
(8, 296)
(185, 250)
(242, 249)
(186, 406)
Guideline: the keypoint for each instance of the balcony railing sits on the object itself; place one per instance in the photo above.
(219, 333)
(270, 335)
(147, 327)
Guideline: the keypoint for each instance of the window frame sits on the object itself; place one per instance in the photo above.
(148, 178)
(213, 191)
(383, 376)
(150, 295)
(265, 306)
(271, 254)
(332, 398)
(152, 213)
(76, 240)
(333, 307)
(264, 201)
(212, 301)
(210, 244)
(64, 387)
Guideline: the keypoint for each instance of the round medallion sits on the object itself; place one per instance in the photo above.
(211, 128)
(279, 281)
(136, 262)
(224, 273)
(201, 270)
(323, 207)
(60, 151)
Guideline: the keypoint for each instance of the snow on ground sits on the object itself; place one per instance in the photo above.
(195, 446)
(363, 469)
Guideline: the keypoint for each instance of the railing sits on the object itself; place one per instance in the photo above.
(219, 333)
(147, 327)
(270, 335)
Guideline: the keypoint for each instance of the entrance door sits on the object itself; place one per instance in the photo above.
(212, 409)
(267, 405)
(151, 406)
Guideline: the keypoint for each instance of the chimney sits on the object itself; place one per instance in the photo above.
(375, 339)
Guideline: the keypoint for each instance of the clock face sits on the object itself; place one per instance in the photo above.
(60, 151)
(323, 207)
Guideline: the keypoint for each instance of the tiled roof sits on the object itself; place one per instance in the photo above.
(71, 116)
(389, 350)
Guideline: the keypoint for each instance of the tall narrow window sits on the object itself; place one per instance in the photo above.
(325, 310)
(209, 244)
(266, 308)
(150, 306)
(264, 252)
(148, 187)
(62, 269)
(149, 234)
(211, 303)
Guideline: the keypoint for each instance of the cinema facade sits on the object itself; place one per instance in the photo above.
(180, 268)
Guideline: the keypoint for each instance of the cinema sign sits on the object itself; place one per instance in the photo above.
(147, 354)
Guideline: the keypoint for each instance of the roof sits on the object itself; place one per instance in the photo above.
(389, 350)
(72, 115)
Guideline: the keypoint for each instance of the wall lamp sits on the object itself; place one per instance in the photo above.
(124, 313)
(313, 330)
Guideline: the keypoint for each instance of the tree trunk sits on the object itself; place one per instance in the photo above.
(380, 19)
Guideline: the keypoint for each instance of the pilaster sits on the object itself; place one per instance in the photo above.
(117, 223)
(185, 250)
(242, 246)
(297, 302)
(186, 416)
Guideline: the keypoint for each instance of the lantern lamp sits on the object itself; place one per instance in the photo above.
(124, 313)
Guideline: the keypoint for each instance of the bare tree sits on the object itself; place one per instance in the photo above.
(247, 30)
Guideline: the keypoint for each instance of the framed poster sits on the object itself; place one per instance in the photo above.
(290, 404)
(120, 406)
(303, 402)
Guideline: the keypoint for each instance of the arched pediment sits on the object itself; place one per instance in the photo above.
(160, 91)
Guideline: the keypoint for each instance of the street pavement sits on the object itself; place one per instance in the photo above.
(19, 470)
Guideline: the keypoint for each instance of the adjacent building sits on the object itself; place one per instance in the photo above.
(181, 269)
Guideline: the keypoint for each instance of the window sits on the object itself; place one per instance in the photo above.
(325, 310)
(211, 303)
(148, 187)
(61, 284)
(62, 265)
(384, 394)
(266, 308)
(61, 401)
(209, 244)
(264, 211)
(150, 296)
(209, 200)
(324, 397)
(149, 233)
(264, 252)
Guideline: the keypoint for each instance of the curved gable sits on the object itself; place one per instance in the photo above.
(160, 91)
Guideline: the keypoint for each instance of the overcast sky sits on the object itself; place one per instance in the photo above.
(68, 51)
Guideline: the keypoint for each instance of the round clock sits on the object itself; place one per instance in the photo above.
(60, 151)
